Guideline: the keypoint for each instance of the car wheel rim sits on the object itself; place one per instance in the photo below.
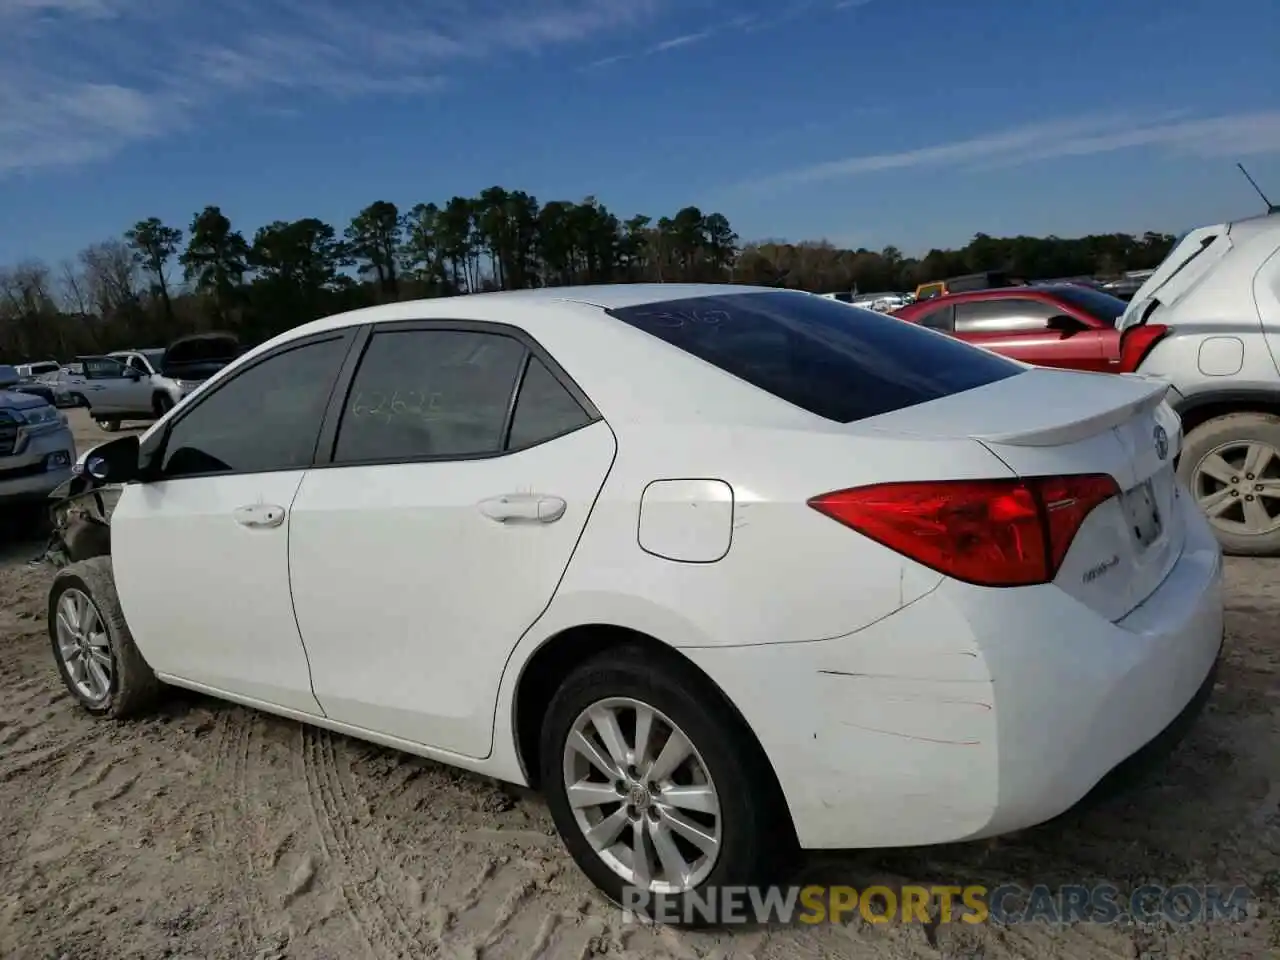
(642, 796)
(1237, 485)
(83, 645)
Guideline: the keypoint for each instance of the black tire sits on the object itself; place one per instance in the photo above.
(162, 404)
(1213, 435)
(78, 400)
(757, 838)
(133, 687)
(109, 425)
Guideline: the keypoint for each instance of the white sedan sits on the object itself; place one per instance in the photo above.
(725, 571)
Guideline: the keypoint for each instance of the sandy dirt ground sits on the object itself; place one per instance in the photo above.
(211, 831)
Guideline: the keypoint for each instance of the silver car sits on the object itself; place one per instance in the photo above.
(36, 445)
(1208, 322)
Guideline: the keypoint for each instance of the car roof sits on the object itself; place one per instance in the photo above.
(632, 376)
(997, 293)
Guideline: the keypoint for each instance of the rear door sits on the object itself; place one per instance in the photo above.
(462, 466)
(1019, 327)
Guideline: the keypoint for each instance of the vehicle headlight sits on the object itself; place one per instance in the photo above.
(42, 416)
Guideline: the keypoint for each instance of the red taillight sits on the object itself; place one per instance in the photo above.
(1136, 343)
(995, 533)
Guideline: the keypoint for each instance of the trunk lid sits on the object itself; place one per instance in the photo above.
(1049, 422)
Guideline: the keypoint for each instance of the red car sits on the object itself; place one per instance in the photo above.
(1053, 325)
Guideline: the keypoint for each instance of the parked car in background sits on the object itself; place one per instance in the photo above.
(146, 384)
(1054, 325)
(33, 371)
(880, 302)
(1125, 287)
(1215, 304)
(675, 554)
(962, 284)
(36, 446)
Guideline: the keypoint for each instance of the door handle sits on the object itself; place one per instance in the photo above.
(259, 515)
(532, 507)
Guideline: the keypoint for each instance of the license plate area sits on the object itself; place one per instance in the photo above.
(1143, 513)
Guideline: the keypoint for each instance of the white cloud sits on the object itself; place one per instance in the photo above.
(1229, 135)
(81, 79)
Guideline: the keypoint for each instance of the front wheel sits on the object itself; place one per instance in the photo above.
(92, 645)
(1231, 465)
(163, 403)
(660, 793)
(110, 425)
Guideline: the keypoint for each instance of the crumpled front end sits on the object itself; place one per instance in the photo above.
(81, 516)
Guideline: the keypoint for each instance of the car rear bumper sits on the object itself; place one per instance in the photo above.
(974, 712)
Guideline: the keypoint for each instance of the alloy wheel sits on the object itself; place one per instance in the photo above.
(1237, 485)
(642, 796)
(84, 646)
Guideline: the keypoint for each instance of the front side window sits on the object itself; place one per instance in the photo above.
(266, 418)
(1004, 315)
(942, 318)
(103, 368)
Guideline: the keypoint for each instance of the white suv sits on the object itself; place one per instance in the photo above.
(1214, 308)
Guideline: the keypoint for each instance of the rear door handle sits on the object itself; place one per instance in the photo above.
(530, 507)
(259, 515)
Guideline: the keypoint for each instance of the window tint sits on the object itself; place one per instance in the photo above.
(429, 393)
(839, 362)
(1097, 304)
(267, 418)
(1004, 315)
(102, 368)
(943, 318)
(544, 409)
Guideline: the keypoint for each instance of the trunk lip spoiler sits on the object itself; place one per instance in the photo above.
(1056, 435)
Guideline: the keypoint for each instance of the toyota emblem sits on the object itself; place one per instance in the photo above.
(1162, 442)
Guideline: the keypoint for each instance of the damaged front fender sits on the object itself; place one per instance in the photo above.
(81, 520)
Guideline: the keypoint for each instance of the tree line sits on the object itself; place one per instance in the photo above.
(158, 281)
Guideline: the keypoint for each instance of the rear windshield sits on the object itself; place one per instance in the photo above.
(1093, 302)
(839, 362)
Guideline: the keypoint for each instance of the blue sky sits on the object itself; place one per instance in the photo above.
(867, 122)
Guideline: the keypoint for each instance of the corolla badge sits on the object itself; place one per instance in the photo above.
(1162, 442)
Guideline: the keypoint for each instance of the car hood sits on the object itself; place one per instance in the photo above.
(200, 356)
(13, 400)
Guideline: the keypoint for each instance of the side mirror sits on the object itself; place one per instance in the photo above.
(133, 373)
(116, 461)
(1065, 325)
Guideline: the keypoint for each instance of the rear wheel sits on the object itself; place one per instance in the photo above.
(657, 789)
(109, 425)
(1231, 464)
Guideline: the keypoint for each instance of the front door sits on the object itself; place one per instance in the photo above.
(201, 553)
(1020, 328)
(110, 388)
(441, 530)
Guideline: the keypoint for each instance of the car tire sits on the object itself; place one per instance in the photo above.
(107, 673)
(1236, 440)
(78, 400)
(162, 404)
(110, 426)
(753, 827)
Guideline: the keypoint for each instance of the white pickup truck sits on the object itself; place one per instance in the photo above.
(146, 384)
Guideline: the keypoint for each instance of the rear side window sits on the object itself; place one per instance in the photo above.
(544, 409)
(839, 362)
(429, 393)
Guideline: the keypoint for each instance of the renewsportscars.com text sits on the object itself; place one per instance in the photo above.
(972, 904)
